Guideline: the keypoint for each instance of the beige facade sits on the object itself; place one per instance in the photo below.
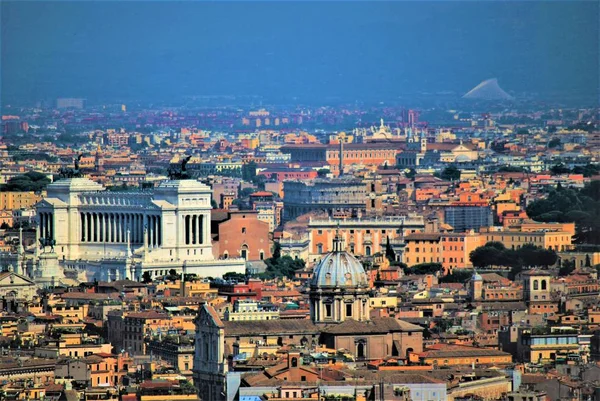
(13, 200)
(246, 309)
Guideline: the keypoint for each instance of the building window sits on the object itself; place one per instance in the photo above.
(261, 255)
(243, 230)
(327, 310)
(348, 310)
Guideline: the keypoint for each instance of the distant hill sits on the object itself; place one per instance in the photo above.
(488, 90)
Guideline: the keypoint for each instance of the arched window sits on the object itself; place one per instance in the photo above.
(319, 248)
(360, 350)
(294, 362)
(543, 284)
(368, 250)
(261, 254)
(536, 285)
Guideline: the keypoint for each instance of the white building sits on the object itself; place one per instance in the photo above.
(114, 235)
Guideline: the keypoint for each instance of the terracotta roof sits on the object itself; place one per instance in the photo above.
(270, 327)
(376, 325)
(213, 314)
(151, 314)
(451, 351)
(89, 296)
(262, 194)
(423, 237)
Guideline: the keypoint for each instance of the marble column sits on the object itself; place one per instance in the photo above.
(83, 228)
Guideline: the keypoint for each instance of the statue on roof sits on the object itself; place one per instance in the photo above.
(180, 173)
(68, 172)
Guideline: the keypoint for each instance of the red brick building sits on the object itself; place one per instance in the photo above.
(367, 154)
(240, 234)
(289, 174)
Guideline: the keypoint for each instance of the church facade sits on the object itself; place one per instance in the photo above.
(338, 294)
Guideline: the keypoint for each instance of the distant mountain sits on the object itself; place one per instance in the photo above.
(488, 90)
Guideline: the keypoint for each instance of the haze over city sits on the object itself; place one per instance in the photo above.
(296, 51)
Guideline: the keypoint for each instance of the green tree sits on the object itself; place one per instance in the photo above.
(249, 171)
(559, 169)
(566, 268)
(457, 276)
(450, 173)
(588, 262)
(233, 276)
(276, 251)
(146, 278)
(484, 256)
(322, 172)
(259, 181)
(424, 268)
(284, 266)
(30, 181)
(213, 204)
(589, 170)
(187, 387)
(554, 143)
(511, 169)
(389, 251)
(411, 174)
(570, 205)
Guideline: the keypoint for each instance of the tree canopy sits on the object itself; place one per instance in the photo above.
(249, 171)
(424, 268)
(571, 205)
(31, 181)
(554, 143)
(389, 251)
(281, 266)
(450, 173)
(495, 254)
(457, 276)
(34, 156)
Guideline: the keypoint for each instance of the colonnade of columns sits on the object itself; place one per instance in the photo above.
(112, 228)
(46, 225)
(194, 229)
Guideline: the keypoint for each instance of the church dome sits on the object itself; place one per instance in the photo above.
(476, 277)
(339, 269)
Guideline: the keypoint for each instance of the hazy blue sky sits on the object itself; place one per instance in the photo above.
(312, 50)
